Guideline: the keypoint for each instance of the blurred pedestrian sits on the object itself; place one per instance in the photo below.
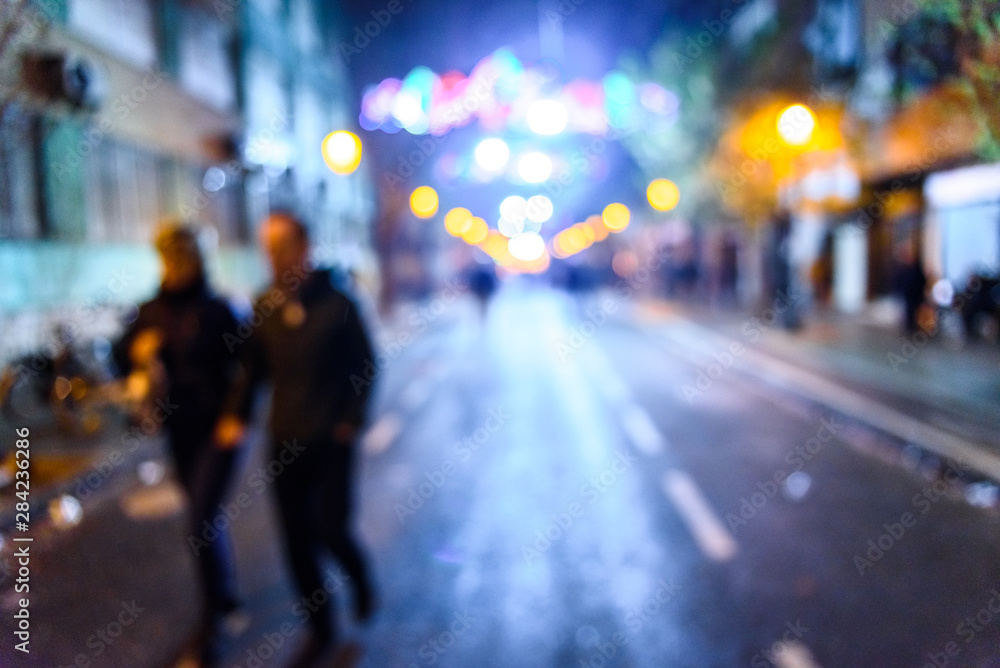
(910, 283)
(179, 372)
(310, 343)
(482, 282)
(781, 271)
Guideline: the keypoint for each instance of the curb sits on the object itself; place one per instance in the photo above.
(813, 386)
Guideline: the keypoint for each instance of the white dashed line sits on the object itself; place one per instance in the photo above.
(712, 537)
(793, 654)
(642, 430)
(416, 393)
(380, 435)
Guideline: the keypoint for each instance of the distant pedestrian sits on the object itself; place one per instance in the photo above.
(781, 271)
(309, 342)
(910, 283)
(176, 358)
(482, 281)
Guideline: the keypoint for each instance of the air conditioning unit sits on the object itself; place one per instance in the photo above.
(63, 78)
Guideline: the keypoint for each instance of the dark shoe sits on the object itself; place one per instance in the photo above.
(348, 656)
(316, 648)
(364, 605)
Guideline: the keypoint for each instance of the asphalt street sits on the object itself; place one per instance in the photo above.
(562, 483)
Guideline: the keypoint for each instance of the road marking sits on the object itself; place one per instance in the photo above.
(815, 387)
(416, 393)
(380, 435)
(153, 503)
(793, 654)
(642, 430)
(712, 537)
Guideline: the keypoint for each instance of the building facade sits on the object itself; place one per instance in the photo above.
(118, 114)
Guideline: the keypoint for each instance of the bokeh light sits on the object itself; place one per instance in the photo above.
(512, 208)
(534, 167)
(596, 223)
(510, 227)
(476, 231)
(663, 194)
(424, 202)
(527, 246)
(547, 117)
(796, 124)
(616, 217)
(457, 221)
(625, 263)
(538, 209)
(492, 154)
(341, 151)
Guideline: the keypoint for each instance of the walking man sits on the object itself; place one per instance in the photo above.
(307, 340)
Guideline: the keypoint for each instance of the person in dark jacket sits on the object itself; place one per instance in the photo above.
(910, 282)
(177, 341)
(308, 340)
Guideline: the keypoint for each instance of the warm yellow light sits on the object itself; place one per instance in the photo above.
(796, 124)
(616, 217)
(663, 194)
(424, 202)
(596, 223)
(341, 151)
(574, 240)
(494, 244)
(457, 221)
(476, 232)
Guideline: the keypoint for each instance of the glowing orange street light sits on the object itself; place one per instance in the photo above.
(341, 151)
(424, 202)
(796, 124)
(457, 221)
(616, 217)
(476, 232)
(597, 224)
(663, 194)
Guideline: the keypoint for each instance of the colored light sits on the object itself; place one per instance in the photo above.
(796, 124)
(616, 217)
(492, 154)
(534, 167)
(424, 202)
(526, 246)
(341, 151)
(547, 117)
(406, 109)
(510, 227)
(476, 232)
(596, 223)
(574, 240)
(663, 194)
(538, 208)
(457, 221)
(512, 208)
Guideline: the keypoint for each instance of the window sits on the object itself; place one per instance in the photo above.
(20, 185)
(205, 66)
(123, 27)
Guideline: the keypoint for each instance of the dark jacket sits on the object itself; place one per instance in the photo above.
(198, 364)
(315, 356)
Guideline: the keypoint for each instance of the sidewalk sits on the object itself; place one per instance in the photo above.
(88, 468)
(952, 390)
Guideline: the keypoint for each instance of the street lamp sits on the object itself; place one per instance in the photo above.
(796, 124)
(342, 151)
(424, 202)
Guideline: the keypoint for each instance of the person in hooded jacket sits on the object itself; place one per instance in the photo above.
(176, 346)
(307, 338)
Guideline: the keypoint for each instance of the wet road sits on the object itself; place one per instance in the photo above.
(565, 484)
(563, 492)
